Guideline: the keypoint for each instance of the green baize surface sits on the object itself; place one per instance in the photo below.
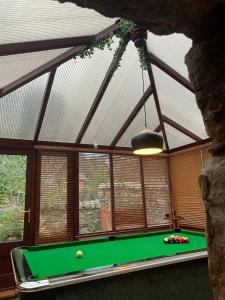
(60, 258)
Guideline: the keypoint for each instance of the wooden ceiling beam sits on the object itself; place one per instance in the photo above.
(108, 31)
(158, 128)
(133, 114)
(171, 72)
(57, 43)
(54, 63)
(44, 105)
(22, 146)
(35, 46)
(193, 146)
(157, 104)
(181, 129)
(9, 145)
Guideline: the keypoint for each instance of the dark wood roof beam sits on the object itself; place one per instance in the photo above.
(108, 31)
(34, 46)
(181, 129)
(50, 44)
(193, 145)
(54, 63)
(133, 114)
(158, 128)
(44, 105)
(42, 45)
(171, 72)
(158, 108)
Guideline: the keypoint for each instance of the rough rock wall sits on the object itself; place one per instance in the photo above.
(160, 17)
(206, 65)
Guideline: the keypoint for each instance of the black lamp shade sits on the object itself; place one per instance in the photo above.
(147, 142)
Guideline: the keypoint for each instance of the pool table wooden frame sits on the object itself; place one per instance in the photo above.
(25, 283)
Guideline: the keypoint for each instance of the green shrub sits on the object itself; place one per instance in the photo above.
(11, 224)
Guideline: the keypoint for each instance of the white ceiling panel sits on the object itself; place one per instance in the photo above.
(176, 138)
(171, 49)
(178, 103)
(16, 66)
(74, 89)
(29, 20)
(20, 109)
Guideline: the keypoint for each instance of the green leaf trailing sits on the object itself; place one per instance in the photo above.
(123, 33)
(143, 58)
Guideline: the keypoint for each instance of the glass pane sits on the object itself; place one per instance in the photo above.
(167, 49)
(12, 196)
(26, 20)
(94, 193)
(178, 103)
(138, 123)
(75, 87)
(176, 138)
(120, 98)
(19, 110)
(16, 66)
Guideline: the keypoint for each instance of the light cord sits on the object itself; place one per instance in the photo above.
(143, 90)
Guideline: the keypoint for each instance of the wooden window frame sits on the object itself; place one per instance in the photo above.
(73, 194)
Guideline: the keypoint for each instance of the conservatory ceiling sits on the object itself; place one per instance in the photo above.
(49, 94)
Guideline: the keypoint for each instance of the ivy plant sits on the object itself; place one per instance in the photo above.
(123, 33)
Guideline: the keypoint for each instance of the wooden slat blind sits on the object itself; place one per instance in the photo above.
(94, 193)
(128, 202)
(156, 186)
(85, 193)
(53, 200)
(185, 169)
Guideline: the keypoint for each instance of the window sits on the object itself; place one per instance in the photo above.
(94, 193)
(129, 208)
(76, 194)
(156, 186)
(12, 196)
(52, 198)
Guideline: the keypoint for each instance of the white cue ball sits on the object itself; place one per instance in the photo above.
(79, 254)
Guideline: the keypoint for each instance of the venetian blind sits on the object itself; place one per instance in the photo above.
(94, 193)
(157, 194)
(185, 169)
(128, 201)
(55, 197)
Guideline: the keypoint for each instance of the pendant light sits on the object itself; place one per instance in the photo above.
(146, 142)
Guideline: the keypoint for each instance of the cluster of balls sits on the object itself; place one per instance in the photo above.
(175, 239)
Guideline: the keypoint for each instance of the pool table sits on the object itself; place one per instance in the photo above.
(42, 267)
